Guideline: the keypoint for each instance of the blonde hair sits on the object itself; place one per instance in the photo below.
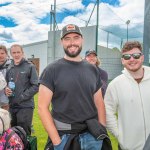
(5, 116)
(17, 45)
(98, 62)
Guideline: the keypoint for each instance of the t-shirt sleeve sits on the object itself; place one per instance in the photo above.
(47, 78)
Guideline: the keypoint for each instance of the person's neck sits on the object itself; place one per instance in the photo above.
(138, 74)
(76, 59)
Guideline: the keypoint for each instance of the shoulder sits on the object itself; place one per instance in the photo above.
(117, 79)
(102, 71)
(28, 64)
(54, 64)
(146, 68)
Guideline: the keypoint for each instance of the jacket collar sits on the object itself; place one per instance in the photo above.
(21, 62)
(146, 73)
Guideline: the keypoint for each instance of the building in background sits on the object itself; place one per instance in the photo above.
(45, 52)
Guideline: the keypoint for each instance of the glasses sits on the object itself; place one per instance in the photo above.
(135, 56)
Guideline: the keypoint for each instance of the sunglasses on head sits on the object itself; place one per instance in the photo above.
(135, 56)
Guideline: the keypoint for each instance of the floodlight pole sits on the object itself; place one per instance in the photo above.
(54, 26)
(54, 29)
(51, 15)
(97, 25)
(127, 23)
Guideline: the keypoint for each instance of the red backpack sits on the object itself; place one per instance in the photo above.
(14, 138)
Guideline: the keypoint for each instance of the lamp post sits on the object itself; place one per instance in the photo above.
(127, 23)
(97, 24)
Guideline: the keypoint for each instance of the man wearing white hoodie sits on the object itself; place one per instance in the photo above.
(128, 96)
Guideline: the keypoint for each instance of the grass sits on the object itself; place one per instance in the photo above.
(41, 134)
(39, 130)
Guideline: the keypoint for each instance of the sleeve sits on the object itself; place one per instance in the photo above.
(111, 105)
(47, 78)
(34, 87)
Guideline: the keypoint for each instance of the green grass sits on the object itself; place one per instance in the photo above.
(42, 135)
(39, 130)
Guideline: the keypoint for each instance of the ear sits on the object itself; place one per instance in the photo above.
(142, 58)
(122, 61)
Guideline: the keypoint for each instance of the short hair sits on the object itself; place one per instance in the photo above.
(4, 48)
(130, 45)
(5, 116)
(16, 45)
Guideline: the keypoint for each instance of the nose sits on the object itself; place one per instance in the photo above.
(72, 41)
(132, 59)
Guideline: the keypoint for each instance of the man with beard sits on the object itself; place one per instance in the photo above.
(73, 86)
(128, 96)
(4, 63)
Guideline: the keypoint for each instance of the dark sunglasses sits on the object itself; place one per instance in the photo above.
(135, 56)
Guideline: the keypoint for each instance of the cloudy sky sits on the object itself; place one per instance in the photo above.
(28, 21)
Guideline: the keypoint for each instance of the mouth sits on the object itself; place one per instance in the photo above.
(72, 48)
(132, 64)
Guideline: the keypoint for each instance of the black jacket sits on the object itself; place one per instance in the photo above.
(26, 84)
(92, 126)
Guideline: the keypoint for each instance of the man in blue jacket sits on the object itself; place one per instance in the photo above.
(24, 75)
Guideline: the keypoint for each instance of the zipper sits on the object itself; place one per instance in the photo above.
(142, 111)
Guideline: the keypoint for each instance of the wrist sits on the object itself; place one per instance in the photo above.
(57, 142)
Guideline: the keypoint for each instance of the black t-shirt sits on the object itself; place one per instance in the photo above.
(73, 85)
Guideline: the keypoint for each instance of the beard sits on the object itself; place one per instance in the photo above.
(72, 55)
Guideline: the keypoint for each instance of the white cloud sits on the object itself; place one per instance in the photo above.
(28, 14)
(74, 6)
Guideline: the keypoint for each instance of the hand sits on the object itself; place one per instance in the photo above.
(57, 142)
(8, 91)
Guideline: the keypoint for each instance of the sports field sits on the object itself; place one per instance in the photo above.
(41, 134)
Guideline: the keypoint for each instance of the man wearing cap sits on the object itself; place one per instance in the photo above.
(91, 57)
(73, 87)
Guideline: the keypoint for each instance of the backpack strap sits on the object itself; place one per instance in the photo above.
(2, 124)
(8, 138)
(22, 134)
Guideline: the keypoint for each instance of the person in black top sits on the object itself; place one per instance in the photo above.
(24, 75)
(91, 57)
(73, 87)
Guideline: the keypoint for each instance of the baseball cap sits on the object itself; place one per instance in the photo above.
(70, 28)
(90, 52)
